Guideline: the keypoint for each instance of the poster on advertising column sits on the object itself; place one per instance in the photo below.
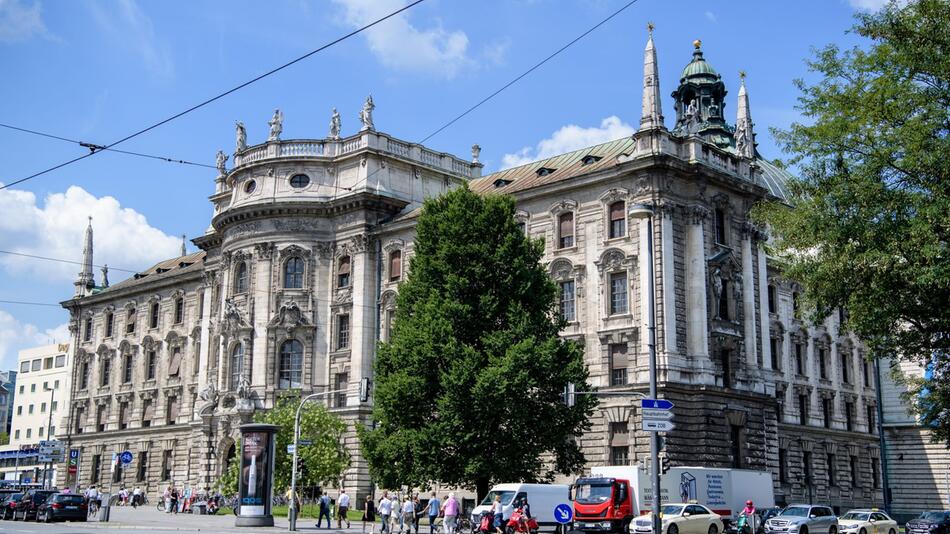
(257, 475)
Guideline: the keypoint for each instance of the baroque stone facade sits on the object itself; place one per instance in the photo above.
(297, 275)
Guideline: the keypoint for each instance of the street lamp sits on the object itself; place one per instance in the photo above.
(645, 212)
(49, 424)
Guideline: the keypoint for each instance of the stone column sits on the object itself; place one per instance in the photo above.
(225, 276)
(697, 327)
(748, 297)
(669, 281)
(261, 291)
(764, 303)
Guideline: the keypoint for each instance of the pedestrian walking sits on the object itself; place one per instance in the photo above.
(451, 512)
(136, 496)
(324, 510)
(498, 512)
(385, 509)
(167, 497)
(342, 507)
(369, 515)
(433, 507)
(175, 497)
(417, 512)
(408, 514)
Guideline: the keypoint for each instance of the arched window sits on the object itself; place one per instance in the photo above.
(237, 365)
(343, 273)
(618, 220)
(291, 365)
(395, 265)
(240, 278)
(293, 273)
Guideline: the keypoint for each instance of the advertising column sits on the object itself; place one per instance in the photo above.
(256, 480)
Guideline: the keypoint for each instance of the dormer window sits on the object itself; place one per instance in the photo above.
(544, 171)
(501, 182)
(588, 159)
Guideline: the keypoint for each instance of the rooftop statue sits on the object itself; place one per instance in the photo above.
(241, 137)
(476, 152)
(336, 125)
(366, 114)
(219, 161)
(276, 125)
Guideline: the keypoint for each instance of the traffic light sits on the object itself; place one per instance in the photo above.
(569, 394)
(364, 389)
(664, 464)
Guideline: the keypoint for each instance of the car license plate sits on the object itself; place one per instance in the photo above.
(72, 507)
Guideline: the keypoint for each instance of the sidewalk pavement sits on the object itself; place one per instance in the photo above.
(149, 518)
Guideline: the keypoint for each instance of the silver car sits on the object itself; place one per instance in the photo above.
(803, 519)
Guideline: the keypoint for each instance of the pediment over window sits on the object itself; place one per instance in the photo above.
(289, 317)
(294, 250)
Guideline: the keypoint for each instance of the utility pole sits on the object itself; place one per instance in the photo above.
(49, 437)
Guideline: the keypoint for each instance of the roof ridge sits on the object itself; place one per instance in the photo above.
(556, 156)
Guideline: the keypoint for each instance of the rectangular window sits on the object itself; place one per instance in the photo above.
(43, 407)
(84, 376)
(853, 464)
(772, 304)
(30, 411)
(77, 428)
(720, 226)
(832, 479)
(36, 365)
(179, 310)
(39, 431)
(171, 411)
(106, 371)
(340, 383)
(795, 303)
(56, 384)
(52, 431)
(61, 360)
(32, 388)
(871, 420)
(866, 372)
(96, 467)
(143, 466)
(803, 409)
(395, 265)
(826, 412)
(29, 433)
(54, 405)
(849, 416)
(166, 465)
(806, 466)
(618, 364)
(773, 350)
(822, 372)
(130, 322)
(845, 364)
(618, 220)
(24, 368)
(153, 315)
(174, 364)
(126, 368)
(101, 418)
(567, 300)
(148, 413)
(110, 324)
(735, 437)
(19, 410)
(48, 363)
(123, 415)
(618, 293)
(150, 365)
(620, 455)
(342, 332)
(566, 230)
(343, 273)
(875, 475)
(783, 466)
(87, 330)
(16, 435)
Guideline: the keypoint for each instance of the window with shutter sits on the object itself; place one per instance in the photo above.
(343, 273)
(395, 265)
(174, 365)
(618, 364)
(618, 221)
(566, 230)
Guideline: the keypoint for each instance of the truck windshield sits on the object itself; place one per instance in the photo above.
(593, 493)
(796, 511)
(506, 497)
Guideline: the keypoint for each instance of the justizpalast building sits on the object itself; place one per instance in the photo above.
(295, 282)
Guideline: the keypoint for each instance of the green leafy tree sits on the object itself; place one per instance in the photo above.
(321, 462)
(469, 387)
(4, 438)
(869, 226)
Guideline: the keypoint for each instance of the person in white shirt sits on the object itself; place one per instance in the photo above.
(385, 509)
(342, 507)
(408, 513)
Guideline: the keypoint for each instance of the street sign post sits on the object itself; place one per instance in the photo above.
(290, 448)
(659, 404)
(651, 413)
(563, 513)
(656, 425)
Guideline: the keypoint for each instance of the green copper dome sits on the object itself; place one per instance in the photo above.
(698, 66)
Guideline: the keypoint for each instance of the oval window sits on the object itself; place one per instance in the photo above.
(250, 186)
(299, 181)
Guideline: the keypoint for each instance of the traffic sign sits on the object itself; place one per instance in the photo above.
(661, 404)
(73, 454)
(290, 448)
(305, 442)
(655, 425)
(563, 513)
(126, 457)
(652, 413)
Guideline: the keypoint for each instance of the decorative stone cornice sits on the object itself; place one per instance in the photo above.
(393, 245)
(614, 194)
(294, 251)
(613, 260)
(265, 250)
(696, 214)
(562, 206)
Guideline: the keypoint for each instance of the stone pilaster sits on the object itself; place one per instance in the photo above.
(697, 320)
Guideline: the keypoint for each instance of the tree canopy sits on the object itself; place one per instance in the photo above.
(468, 389)
(870, 218)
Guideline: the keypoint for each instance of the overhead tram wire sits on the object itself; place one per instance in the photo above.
(217, 97)
(62, 260)
(514, 80)
(29, 303)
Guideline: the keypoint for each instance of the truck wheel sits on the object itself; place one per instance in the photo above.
(673, 530)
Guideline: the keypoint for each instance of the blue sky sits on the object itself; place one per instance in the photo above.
(99, 70)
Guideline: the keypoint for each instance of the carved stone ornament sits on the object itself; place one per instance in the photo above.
(562, 207)
(612, 260)
(324, 249)
(696, 214)
(233, 319)
(665, 208)
(393, 245)
(289, 317)
(614, 194)
(294, 251)
(264, 250)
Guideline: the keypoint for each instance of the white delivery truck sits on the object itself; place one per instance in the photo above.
(542, 499)
(608, 499)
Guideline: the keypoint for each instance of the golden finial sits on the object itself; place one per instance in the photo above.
(650, 27)
(697, 43)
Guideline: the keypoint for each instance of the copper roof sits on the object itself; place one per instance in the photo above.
(163, 269)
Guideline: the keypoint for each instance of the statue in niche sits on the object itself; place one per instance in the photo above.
(737, 288)
(220, 162)
(241, 137)
(336, 125)
(716, 280)
(276, 124)
(366, 114)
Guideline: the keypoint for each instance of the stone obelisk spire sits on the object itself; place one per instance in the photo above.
(184, 249)
(651, 115)
(745, 138)
(85, 282)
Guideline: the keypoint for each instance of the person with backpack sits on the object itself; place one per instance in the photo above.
(324, 510)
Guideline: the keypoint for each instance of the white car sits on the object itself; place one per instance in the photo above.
(680, 518)
(867, 522)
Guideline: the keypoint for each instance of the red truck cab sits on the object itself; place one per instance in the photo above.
(602, 505)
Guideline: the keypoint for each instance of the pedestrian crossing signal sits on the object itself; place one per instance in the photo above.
(364, 389)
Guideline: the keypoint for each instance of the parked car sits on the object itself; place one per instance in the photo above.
(680, 518)
(803, 519)
(62, 507)
(933, 522)
(31, 500)
(867, 521)
(8, 503)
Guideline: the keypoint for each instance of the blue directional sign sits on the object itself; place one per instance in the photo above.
(563, 513)
(125, 457)
(73, 454)
(661, 404)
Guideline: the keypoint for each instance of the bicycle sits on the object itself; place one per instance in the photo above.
(93, 509)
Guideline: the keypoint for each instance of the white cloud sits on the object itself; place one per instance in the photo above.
(125, 22)
(496, 51)
(712, 17)
(401, 46)
(21, 22)
(122, 237)
(16, 335)
(568, 138)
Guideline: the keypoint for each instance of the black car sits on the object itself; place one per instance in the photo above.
(62, 507)
(8, 503)
(934, 522)
(30, 501)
